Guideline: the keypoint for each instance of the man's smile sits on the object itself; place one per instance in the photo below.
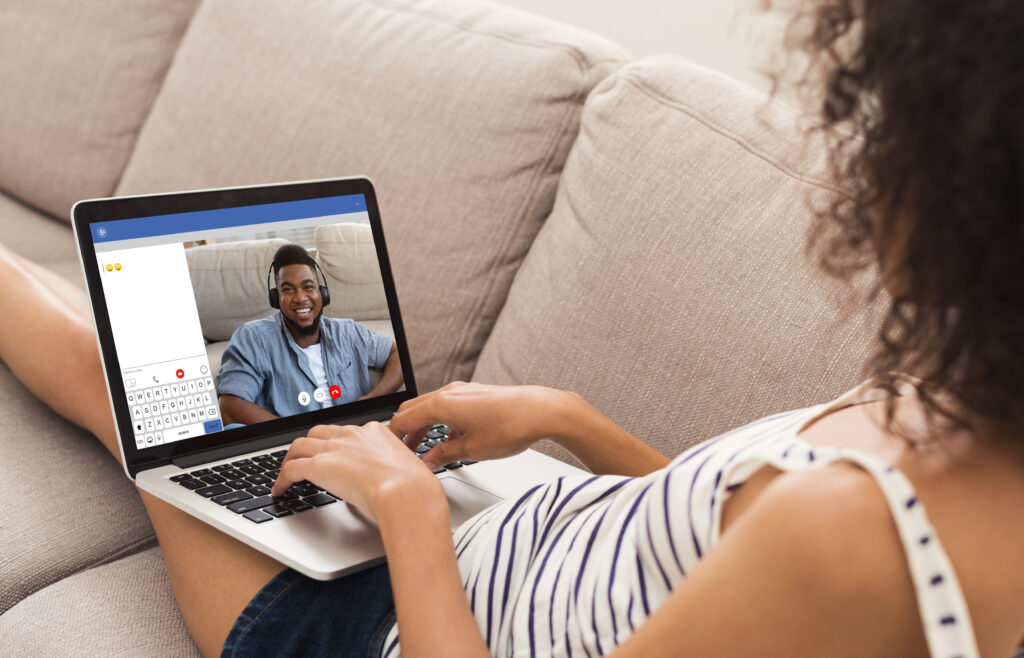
(304, 312)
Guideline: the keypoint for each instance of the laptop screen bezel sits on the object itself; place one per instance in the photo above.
(87, 213)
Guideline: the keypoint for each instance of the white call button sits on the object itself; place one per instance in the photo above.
(303, 398)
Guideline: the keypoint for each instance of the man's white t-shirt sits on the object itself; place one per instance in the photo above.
(315, 356)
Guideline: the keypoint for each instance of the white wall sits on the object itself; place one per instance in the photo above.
(727, 35)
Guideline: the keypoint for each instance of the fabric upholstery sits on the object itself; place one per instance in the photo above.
(78, 79)
(34, 235)
(125, 608)
(349, 260)
(71, 506)
(670, 285)
(229, 280)
(461, 111)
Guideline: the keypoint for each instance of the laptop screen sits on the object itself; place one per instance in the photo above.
(234, 316)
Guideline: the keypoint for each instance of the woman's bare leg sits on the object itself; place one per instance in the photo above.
(47, 340)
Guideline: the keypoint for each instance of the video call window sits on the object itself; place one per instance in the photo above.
(212, 333)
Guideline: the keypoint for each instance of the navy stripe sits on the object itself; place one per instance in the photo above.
(760, 442)
(643, 585)
(618, 549)
(540, 574)
(593, 618)
(511, 562)
(654, 551)
(689, 513)
(391, 647)
(561, 505)
(586, 554)
(497, 559)
(558, 574)
(629, 612)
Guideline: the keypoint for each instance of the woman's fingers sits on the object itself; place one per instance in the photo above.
(295, 470)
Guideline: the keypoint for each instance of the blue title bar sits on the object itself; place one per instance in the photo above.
(205, 220)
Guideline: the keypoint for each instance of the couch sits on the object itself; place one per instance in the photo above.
(556, 213)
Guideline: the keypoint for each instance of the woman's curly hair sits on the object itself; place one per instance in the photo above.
(923, 102)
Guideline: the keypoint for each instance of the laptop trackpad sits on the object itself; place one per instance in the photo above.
(465, 500)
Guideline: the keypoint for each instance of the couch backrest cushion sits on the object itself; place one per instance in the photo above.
(78, 79)
(670, 285)
(348, 258)
(229, 280)
(461, 111)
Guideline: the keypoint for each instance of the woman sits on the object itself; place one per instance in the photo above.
(803, 534)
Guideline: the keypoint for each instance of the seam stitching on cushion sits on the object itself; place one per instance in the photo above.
(773, 161)
(466, 26)
(475, 321)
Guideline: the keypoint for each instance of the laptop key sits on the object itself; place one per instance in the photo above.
(279, 454)
(250, 469)
(303, 489)
(287, 495)
(440, 470)
(180, 476)
(273, 473)
(232, 497)
(213, 490)
(192, 484)
(319, 500)
(258, 479)
(238, 484)
(221, 467)
(258, 490)
(277, 510)
(257, 516)
(213, 479)
(201, 472)
(242, 462)
(297, 505)
(453, 466)
(232, 474)
(248, 505)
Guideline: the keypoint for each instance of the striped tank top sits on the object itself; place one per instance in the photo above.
(573, 567)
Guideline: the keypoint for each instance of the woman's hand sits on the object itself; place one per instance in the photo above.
(365, 466)
(487, 422)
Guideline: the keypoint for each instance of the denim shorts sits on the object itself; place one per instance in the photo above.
(294, 615)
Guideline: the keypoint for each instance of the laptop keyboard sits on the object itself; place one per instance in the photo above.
(243, 486)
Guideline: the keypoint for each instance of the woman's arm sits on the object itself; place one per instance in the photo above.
(491, 422)
(369, 468)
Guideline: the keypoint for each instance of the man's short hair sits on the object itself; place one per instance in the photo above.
(292, 254)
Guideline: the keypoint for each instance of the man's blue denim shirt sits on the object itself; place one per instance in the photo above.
(264, 365)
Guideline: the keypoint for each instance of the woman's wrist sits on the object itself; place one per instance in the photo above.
(393, 500)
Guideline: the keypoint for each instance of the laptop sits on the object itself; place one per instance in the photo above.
(205, 410)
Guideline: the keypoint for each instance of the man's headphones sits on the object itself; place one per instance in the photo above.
(275, 297)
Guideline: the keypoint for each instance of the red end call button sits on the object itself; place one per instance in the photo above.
(180, 373)
(335, 392)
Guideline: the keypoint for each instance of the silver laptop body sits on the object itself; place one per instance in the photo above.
(136, 254)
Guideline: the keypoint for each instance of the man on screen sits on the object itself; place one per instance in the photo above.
(296, 360)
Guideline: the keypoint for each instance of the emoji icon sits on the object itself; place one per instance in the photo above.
(110, 268)
(117, 266)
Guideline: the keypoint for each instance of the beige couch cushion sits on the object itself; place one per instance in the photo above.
(230, 283)
(670, 286)
(70, 505)
(461, 111)
(78, 79)
(124, 608)
(349, 260)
